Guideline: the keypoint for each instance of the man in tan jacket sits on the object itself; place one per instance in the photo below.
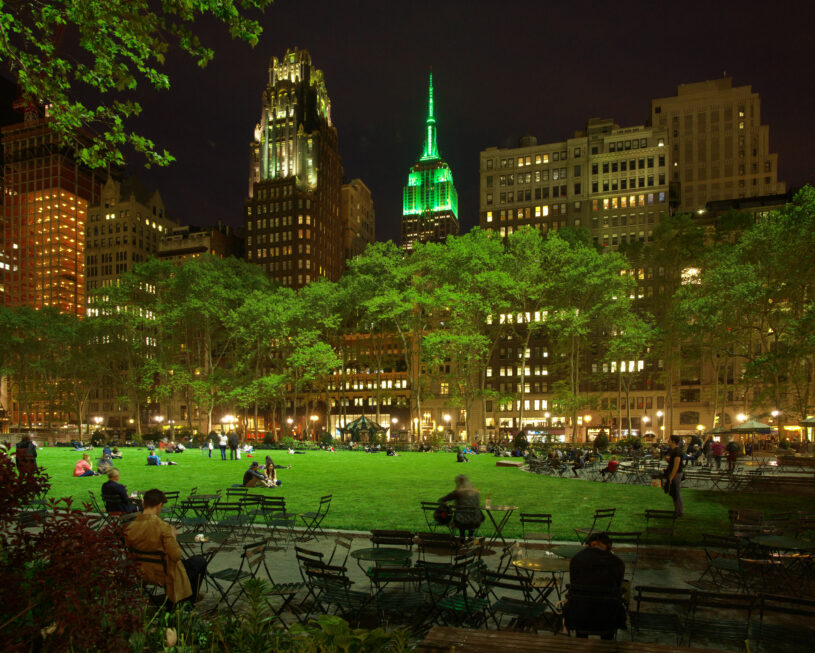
(150, 533)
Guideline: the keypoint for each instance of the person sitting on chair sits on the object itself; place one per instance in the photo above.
(610, 468)
(253, 476)
(150, 533)
(468, 515)
(114, 494)
(596, 577)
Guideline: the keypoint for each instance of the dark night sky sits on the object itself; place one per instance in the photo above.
(502, 69)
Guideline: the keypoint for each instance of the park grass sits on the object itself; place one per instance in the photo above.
(377, 491)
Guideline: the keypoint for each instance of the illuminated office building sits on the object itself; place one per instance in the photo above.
(358, 218)
(293, 226)
(608, 179)
(45, 201)
(718, 147)
(430, 200)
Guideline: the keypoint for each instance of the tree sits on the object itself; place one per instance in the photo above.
(65, 50)
(678, 246)
(589, 296)
(471, 287)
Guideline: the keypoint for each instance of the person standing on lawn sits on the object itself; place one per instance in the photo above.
(222, 442)
(673, 475)
(232, 439)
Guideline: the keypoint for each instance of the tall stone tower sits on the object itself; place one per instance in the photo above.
(293, 226)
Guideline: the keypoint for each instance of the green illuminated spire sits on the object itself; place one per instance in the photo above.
(431, 150)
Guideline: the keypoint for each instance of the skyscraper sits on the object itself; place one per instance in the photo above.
(45, 201)
(718, 147)
(293, 225)
(429, 201)
(357, 210)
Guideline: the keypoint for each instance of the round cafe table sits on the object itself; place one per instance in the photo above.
(545, 565)
(381, 554)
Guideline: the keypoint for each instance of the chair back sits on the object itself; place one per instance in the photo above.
(113, 503)
(325, 504)
(342, 549)
(391, 538)
(235, 493)
(603, 517)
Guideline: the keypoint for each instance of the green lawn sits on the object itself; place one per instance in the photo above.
(375, 491)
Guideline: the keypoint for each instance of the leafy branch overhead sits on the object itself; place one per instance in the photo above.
(64, 51)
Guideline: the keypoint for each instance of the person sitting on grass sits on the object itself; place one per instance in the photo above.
(270, 473)
(149, 532)
(83, 467)
(153, 459)
(115, 496)
(105, 464)
(390, 451)
(460, 457)
(253, 477)
(115, 453)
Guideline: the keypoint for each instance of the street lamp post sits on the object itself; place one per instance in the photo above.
(289, 421)
(446, 419)
(314, 419)
(645, 421)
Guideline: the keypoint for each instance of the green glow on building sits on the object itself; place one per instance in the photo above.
(430, 188)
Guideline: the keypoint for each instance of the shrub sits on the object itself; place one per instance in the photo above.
(601, 441)
(66, 586)
(268, 438)
(288, 442)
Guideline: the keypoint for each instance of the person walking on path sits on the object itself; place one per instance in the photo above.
(673, 475)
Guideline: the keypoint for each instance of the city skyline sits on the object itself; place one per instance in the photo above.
(499, 74)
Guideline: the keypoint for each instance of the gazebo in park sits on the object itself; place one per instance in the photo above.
(362, 429)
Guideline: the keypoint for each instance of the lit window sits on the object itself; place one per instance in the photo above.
(489, 216)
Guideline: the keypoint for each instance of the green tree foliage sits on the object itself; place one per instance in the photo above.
(84, 59)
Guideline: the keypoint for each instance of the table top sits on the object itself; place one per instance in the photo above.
(189, 538)
(499, 508)
(783, 542)
(551, 565)
(380, 554)
(566, 550)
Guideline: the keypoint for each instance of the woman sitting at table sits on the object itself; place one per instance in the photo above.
(468, 515)
(83, 467)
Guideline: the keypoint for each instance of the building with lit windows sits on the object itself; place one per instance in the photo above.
(293, 226)
(123, 229)
(45, 202)
(430, 200)
(181, 243)
(608, 179)
(358, 217)
(718, 147)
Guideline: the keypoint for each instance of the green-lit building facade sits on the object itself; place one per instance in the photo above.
(293, 226)
(429, 201)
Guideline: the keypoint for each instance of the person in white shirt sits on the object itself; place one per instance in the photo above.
(222, 445)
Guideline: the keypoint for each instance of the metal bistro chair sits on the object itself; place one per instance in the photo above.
(541, 527)
(601, 522)
(313, 520)
(228, 581)
(150, 558)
